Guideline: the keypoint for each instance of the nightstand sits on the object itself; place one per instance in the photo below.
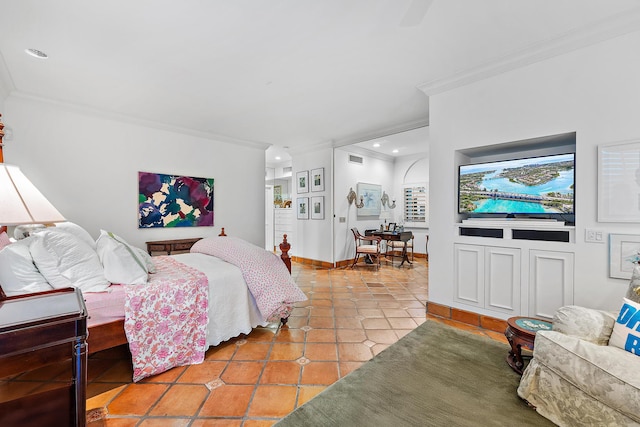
(37, 330)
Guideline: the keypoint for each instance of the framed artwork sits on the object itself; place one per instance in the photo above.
(619, 182)
(174, 201)
(303, 208)
(317, 207)
(624, 254)
(370, 194)
(277, 193)
(302, 180)
(317, 179)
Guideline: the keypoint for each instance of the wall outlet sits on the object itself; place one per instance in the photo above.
(343, 219)
(593, 236)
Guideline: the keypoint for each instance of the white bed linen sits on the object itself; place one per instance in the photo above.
(232, 308)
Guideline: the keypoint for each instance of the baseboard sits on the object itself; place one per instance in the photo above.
(343, 263)
(468, 317)
(312, 262)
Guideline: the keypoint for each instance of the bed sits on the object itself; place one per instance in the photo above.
(226, 286)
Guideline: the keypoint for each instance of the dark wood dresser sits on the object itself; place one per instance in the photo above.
(38, 330)
(169, 246)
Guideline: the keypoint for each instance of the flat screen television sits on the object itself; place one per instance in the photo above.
(535, 187)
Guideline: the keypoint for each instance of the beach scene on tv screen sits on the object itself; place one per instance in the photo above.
(542, 185)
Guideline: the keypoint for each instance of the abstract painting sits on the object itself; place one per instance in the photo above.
(174, 201)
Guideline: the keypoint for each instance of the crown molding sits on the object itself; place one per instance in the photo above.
(326, 145)
(140, 122)
(369, 153)
(599, 31)
(382, 132)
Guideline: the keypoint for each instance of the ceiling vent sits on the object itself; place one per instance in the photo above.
(356, 159)
(287, 169)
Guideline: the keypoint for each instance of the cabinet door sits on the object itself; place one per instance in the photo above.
(469, 274)
(550, 282)
(502, 279)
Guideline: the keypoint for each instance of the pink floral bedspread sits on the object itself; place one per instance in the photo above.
(166, 319)
(267, 277)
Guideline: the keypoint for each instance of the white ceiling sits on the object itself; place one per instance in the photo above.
(283, 72)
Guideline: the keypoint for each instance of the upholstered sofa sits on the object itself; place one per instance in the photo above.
(576, 379)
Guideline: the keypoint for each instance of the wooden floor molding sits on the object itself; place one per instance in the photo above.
(468, 317)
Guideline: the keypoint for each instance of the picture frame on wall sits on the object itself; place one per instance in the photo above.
(619, 182)
(302, 182)
(317, 207)
(317, 179)
(371, 194)
(302, 207)
(624, 254)
(158, 193)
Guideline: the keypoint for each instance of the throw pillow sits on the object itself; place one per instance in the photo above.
(65, 260)
(18, 273)
(123, 264)
(626, 330)
(76, 230)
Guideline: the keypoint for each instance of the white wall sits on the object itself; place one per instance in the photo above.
(87, 166)
(313, 237)
(374, 170)
(595, 92)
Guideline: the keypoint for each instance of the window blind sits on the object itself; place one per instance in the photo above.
(415, 205)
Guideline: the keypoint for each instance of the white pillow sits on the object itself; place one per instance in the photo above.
(626, 330)
(77, 231)
(123, 264)
(151, 267)
(65, 260)
(18, 273)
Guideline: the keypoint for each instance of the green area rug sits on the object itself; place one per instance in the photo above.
(435, 376)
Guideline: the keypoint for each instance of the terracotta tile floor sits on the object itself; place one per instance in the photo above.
(255, 380)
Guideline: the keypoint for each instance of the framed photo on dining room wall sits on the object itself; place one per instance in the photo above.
(302, 182)
(317, 179)
(317, 207)
(302, 207)
(370, 194)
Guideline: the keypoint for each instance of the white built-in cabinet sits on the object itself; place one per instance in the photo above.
(512, 281)
(550, 281)
(488, 277)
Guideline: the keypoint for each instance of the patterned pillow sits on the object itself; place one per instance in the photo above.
(626, 331)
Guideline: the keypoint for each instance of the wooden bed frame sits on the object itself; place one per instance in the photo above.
(108, 335)
(111, 334)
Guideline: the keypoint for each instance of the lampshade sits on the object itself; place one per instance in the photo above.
(21, 202)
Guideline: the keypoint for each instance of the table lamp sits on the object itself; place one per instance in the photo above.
(20, 201)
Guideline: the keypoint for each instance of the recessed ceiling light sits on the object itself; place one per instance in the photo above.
(277, 157)
(376, 145)
(396, 150)
(36, 53)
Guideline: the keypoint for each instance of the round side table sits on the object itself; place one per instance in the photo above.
(521, 331)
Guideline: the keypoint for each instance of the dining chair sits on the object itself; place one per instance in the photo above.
(368, 246)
